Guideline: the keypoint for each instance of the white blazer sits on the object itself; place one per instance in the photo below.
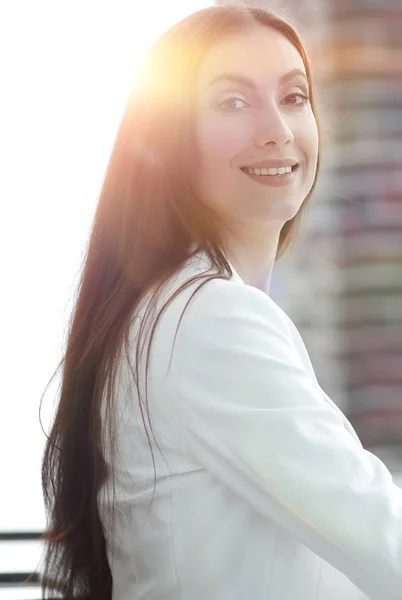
(263, 489)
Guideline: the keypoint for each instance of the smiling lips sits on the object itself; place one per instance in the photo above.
(271, 167)
(273, 163)
(264, 171)
(272, 172)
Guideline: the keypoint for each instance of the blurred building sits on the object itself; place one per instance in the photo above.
(367, 91)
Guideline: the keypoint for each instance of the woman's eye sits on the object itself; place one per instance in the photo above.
(297, 99)
(232, 103)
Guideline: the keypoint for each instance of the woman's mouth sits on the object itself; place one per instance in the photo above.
(273, 176)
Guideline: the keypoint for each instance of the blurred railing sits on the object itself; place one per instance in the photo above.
(20, 554)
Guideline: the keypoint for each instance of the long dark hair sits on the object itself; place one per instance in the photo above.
(147, 224)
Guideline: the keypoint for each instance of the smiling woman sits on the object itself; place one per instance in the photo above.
(260, 487)
(255, 123)
(273, 126)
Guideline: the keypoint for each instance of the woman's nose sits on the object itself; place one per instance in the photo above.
(272, 129)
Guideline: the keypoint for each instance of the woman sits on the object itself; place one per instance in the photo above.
(193, 453)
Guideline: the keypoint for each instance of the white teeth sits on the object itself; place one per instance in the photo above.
(279, 171)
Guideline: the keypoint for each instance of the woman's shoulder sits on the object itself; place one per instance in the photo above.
(201, 298)
(199, 301)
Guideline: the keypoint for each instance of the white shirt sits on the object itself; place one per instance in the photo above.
(263, 489)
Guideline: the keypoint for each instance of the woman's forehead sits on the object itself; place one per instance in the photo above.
(262, 51)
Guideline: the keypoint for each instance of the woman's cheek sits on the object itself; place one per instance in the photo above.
(225, 137)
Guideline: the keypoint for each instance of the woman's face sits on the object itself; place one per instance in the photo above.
(252, 113)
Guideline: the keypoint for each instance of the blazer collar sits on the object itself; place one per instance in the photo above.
(236, 275)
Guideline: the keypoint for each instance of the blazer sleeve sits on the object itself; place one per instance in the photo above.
(254, 417)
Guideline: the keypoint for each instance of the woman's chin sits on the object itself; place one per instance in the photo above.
(279, 210)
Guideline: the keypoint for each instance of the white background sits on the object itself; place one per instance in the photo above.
(65, 72)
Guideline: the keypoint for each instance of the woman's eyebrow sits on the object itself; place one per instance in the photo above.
(242, 79)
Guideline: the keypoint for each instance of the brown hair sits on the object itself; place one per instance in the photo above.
(147, 223)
